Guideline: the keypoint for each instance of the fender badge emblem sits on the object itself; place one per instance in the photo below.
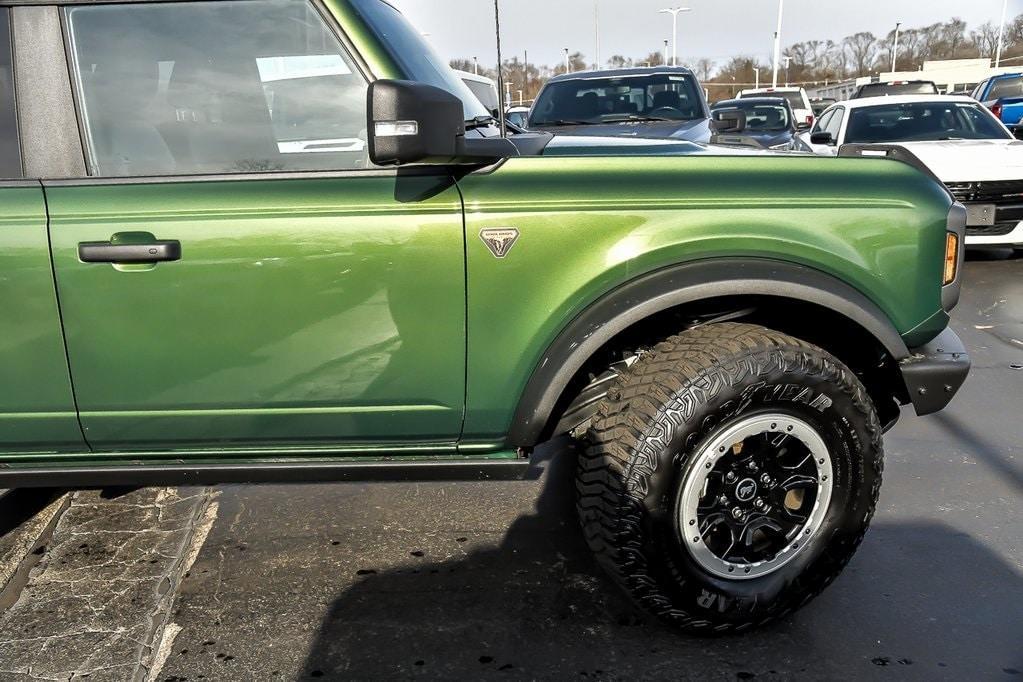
(500, 240)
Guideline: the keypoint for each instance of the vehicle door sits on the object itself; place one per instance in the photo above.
(836, 126)
(233, 272)
(37, 407)
(819, 126)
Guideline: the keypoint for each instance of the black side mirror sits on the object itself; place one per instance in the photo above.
(413, 123)
(728, 121)
(822, 137)
(1018, 132)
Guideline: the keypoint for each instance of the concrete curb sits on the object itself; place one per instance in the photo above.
(99, 601)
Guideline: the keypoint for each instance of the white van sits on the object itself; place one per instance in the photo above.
(484, 88)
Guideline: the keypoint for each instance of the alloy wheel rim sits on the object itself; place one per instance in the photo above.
(755, 496)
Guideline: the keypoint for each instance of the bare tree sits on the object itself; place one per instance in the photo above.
(652, 59)
(619, 62)
(703, 68)
(1014, 33)
(862, 49)
(931, 42)
(910, 55)
(985, 39)
(834, 61)
(576, 61)
(953, 36)
(735, 75)
(813, 61)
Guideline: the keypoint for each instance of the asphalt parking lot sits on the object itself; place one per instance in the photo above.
(459, 580)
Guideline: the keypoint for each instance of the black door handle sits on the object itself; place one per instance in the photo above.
(151, 252)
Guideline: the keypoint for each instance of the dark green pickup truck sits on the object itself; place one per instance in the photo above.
(278, 240)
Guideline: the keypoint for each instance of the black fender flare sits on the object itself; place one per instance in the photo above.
(673, 286)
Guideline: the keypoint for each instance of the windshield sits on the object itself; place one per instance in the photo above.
(761, 116)
(794, 98)
(485, 93)
(671, 97)
(882, 89)
(923, 121)
(417, 60)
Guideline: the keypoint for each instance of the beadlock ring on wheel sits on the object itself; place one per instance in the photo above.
(747, 481)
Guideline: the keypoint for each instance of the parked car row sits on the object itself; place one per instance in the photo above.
(956, 138)
(965, 142)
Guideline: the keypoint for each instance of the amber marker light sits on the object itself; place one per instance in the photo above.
(951, 258)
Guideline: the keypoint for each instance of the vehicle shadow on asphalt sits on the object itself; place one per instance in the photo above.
(921, 597)
(992, 253)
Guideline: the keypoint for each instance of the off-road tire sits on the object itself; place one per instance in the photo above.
(656, 415)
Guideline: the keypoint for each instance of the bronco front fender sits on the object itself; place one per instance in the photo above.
(675, 286)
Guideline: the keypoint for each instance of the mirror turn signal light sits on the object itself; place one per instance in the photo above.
(951, 258)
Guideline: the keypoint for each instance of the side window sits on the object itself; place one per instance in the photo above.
(215, 87)
(1011, 86)
(824, 120)
(10, 149)
(834, 124)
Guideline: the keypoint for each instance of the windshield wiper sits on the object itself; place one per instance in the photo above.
(566, 122)
(480, 122)
(624, 119)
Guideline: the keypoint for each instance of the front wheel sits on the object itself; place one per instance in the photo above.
(730, 475)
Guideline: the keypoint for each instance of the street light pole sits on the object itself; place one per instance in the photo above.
(674, 12)
(596, 30)
(777, 44)
(788, 60)
(665, 51)
(757, 72)
(476, 65)
(568, 67)
(1001, 34)
(895, 46)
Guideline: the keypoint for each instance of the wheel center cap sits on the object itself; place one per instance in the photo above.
(746, 490)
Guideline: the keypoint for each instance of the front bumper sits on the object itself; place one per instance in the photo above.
(1001, 234)
(935, 372)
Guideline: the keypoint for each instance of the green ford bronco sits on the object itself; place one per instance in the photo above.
(278, 240)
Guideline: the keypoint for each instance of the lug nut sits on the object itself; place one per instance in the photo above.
(760, 504)
(766, 479)
(753, 467)
(730, 477)
(736, 513)
(723, 500)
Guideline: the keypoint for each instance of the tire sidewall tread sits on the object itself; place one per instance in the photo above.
(641, 442)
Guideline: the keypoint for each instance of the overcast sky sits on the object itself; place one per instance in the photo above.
(717, 29)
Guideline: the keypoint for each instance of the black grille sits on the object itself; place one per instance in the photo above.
(988, 192)
(996, 230)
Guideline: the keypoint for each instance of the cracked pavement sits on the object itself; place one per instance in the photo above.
(480, 580)
(97, 602)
